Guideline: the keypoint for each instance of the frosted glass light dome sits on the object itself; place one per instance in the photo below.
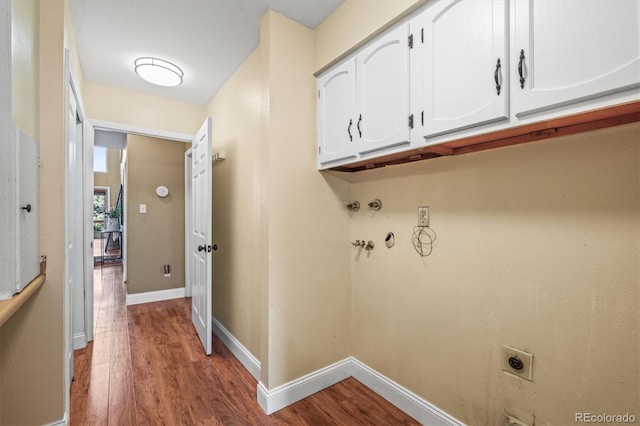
(158, 71)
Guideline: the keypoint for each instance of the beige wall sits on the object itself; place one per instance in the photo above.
(25, 62)
(157, 237)
(25, 75)
(537, 248)
(37, 375)
(308, 275)
(273, 209)
(123, 106)
(235, 110)
(351, 23)
(111, 178)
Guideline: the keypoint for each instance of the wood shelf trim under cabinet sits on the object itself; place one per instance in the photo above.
(547, 129)
(11, 306)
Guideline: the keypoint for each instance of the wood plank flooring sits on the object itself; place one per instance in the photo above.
(146, 367)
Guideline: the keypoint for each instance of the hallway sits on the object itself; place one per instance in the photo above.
(146, 367)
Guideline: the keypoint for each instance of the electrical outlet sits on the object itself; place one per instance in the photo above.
(517, 362)
(423, 216)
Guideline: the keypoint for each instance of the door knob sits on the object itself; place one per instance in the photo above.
(27, 208)
(202, 248)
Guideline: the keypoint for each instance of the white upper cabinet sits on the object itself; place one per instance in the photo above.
(568, 51)
(462, 68)
(465, 64)
(363, 103)
(383, 92)
(336, 113)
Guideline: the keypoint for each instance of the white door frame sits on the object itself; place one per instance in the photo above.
(142, 131)
(83, 330)
(188, 217)
(88, 240)
(124, 244)
(71, 228)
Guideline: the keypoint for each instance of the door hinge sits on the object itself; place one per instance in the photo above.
(411, 41)
(318, 94)
(422, 118)
(319, 150)
(422, 35)
(411, 121)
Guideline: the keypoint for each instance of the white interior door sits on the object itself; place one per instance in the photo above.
(201, 234)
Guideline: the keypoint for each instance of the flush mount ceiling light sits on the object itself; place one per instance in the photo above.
(158, 71)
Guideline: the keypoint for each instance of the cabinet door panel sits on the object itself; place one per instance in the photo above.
(464, 39)
(383, 92)
(597, 54)
(336, 109)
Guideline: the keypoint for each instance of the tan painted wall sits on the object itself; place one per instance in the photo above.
(537, 248)
(273, 209)
(71, 44)
(37, 375)
(118, 105)
(25, 62)
(351, 23)
(111, 178)
(157, 237)
(308, 275)
(235, 110)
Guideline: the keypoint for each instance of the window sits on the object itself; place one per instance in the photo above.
(100, 159)
(100, 206)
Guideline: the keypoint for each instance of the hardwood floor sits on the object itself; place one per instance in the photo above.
(146, 367)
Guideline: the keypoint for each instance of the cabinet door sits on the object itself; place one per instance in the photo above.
(465, 52)
(573, 50)
(383, 92)
(336, 113)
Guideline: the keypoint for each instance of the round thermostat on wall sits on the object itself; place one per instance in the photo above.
(162, 191)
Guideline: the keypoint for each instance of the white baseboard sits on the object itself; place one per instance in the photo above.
(62, 422)
(245, 357)
(418, 408)
(79, 341)
(282, 396)
(155, 296)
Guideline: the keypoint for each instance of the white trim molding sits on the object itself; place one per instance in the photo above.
(79, 341)
(155, 296)
(142, 131)
(289, 393)
(243, 354)
(418, 408)
(62, 422)
(272, 400)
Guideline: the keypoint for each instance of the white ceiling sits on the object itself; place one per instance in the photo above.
(208, 39)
